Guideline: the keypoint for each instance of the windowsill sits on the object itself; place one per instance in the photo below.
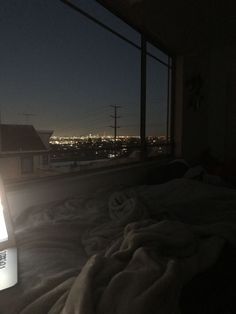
(13, 184)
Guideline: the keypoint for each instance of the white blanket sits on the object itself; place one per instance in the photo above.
(149, 242)
(145, 272)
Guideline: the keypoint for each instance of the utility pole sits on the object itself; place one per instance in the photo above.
(115, 126)
(115, 117)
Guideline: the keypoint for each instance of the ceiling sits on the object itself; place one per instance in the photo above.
(180, 26)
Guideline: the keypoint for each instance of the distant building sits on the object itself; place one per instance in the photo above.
(24, 151)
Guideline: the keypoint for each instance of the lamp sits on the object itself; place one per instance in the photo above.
(8, 251)
(3, 227)
(7, 237)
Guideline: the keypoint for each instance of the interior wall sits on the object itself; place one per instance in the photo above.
(195, 105)
(230, 140)
(208, 126)
(222, 113)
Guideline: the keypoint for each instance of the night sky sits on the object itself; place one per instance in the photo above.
(67, 71)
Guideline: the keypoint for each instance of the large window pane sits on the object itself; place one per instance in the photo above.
(158, 106)
(63, 72)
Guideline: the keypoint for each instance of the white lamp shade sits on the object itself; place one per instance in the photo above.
(7, 237)
(3, 228)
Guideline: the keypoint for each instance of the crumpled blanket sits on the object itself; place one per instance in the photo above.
(145, 270)
(124, 206)
(148, 244)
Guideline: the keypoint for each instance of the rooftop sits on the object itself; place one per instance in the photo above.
(15, 137)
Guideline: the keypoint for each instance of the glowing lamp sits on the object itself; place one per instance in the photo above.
(8, 251)
(3, 227)
(7, 238)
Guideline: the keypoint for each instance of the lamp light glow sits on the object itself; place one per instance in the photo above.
(3, 228)
(8, 250)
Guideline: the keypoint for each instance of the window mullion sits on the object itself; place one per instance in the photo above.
(143, 95)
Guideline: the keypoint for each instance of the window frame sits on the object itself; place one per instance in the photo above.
(145, 38)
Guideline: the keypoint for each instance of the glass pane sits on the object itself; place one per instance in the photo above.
(99, 12)
(62, 72)
(158, 109)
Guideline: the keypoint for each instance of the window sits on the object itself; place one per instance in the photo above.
(158, 101)
(26, 165)
(83, 82)
(45, 159)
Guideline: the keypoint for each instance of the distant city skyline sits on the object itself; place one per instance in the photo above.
(97, 136)
(66, 71)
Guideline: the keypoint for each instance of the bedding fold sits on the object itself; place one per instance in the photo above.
(131, 251)
(146, 272)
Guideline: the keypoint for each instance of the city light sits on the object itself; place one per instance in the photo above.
(82, 152)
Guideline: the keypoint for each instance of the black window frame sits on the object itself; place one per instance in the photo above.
(170, 64)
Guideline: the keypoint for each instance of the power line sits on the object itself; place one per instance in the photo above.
(96, 21)
(111, 30)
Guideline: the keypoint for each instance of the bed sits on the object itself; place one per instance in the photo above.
(167, 248)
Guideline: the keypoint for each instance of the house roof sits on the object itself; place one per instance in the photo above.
(15, 137)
